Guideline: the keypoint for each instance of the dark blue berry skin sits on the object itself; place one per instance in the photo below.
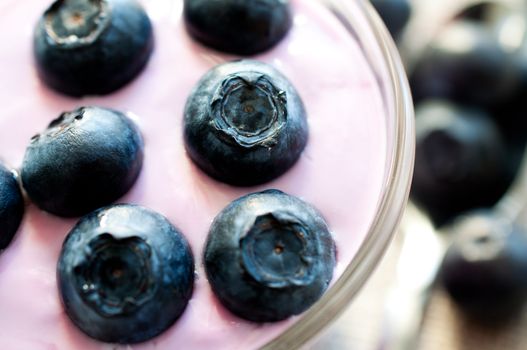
(478, 12)
(485, 269)
(268, 256)
(394, 13)
(125, 274)
(509, 114)
(465, 63)
(238, 26)
(11, 206)
(84, 160)
(92, 47)
(461, 160)
(244, 123)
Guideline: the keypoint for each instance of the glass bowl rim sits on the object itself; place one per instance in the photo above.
(391, 206)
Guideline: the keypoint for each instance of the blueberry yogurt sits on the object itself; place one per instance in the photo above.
(339, 170)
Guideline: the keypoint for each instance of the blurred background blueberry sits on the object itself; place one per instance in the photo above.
(394, 13)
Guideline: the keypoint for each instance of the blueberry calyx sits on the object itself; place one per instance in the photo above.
(114, 276)
(76, 23)
(85, 159)
(245, 123)
(92, 47)
(278, 251)
(269, 256)
(125, 274)
(249, 108)
(62, 123)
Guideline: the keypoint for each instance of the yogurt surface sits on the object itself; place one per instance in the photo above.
(341, 172)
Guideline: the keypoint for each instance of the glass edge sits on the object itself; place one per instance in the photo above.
(385, 224)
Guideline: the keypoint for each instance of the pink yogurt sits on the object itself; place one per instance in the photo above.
(341, 171)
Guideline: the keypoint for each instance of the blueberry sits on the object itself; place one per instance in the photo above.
(11, 206)
(125, 274)
(478, 12)
(268, 256)
(85, 159)
(509, 114)
(467, 64)
(394, 13)
(461, 160)
(244, 123)
(485, 269)
(92, 47)
(238, 26)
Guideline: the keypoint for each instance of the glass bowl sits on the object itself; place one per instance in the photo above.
(346, 68)
(363, 23)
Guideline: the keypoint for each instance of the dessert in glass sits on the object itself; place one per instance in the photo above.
(354, 169)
